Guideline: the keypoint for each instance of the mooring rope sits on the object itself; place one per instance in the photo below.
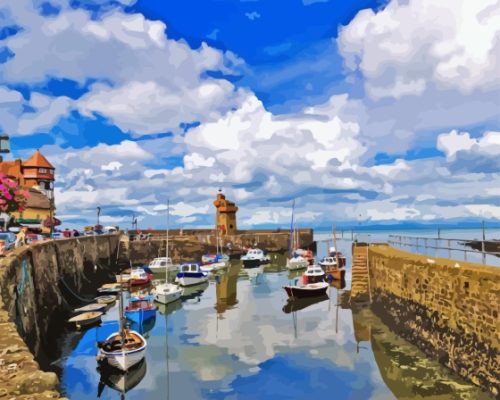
(83, 300)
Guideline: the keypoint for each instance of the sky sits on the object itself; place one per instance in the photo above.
(364, 112)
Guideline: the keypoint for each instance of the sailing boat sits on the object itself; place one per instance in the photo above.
(122, 349)
(334, 263)
(214, 261)
(167, 292)
(296, 261)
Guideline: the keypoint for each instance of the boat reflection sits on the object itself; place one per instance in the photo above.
(339, 285)
(119, 380)
(143, 328)
(193, 292)
(294, 305)
(166, 309)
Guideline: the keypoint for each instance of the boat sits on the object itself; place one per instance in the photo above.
(214, 258)
(213, 266)
(122, 349)
(86, 318)
(313, 274)
(332, 252)
(139, 310)
(254, 258)
(105, 299)
(139, 276)
(190, 274)
(296, 261)
(110, 288)
(123, 278)
(296, 304)
(161, 264)
(306, 290)
(91, 307)
(166, 292)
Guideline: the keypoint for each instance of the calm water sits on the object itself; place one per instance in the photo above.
(236, 338)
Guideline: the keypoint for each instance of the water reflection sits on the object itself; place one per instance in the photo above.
(294, 305)
(238, 337)
(119, 380)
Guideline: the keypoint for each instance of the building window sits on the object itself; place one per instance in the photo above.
(43, 170)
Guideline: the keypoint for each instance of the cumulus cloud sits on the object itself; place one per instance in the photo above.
(412, 45)
(154, 85)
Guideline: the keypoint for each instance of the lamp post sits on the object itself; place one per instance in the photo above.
(4, 145)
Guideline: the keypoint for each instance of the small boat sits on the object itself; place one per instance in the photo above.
(296, 304)
(307, 290)
(332, 252)
(91, 307)
(162, 264)
(122, 278)
(214, 258)
(140, 310)
(105, 299)
(110, 288)
(87, 318)
(213, 266)
(139, 276)
(190, 274)
(254, 258)
(122, 350)
(296, 262)
(313, 274)
(167, 293)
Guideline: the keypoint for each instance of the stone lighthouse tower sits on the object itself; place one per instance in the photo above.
(225, 215)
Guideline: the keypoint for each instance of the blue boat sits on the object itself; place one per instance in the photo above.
(140, 310)
(190, 274)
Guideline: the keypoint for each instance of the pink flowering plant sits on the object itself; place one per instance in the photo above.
(12, 197)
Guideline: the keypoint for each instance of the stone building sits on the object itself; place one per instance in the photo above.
(225, 215)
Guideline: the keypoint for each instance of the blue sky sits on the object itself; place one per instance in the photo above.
(376, 111)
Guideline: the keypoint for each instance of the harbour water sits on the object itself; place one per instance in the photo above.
(237, 338)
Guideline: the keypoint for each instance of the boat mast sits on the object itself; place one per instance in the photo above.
(122, 318)
(166, 250)
(335, 244)
(290, 243)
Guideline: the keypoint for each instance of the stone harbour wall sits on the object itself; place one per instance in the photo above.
(448, 309)
(39, 286)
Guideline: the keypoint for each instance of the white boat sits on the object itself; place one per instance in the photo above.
(297, 262)
(161, 264)
(122, 349)
(87, 318)
(190, 274)
(213, 266)
(313, 274)
(166, 292)
(328, 262)
(123, 353)
(91, 307)
(254, 258)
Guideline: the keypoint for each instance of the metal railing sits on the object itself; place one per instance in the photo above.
(450, 248)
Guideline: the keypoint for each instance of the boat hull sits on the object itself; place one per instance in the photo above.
(336, 273)
(307, 291)
(166, 298)
(123, 360)
(213, 266)
(255, 263)
(190, 279)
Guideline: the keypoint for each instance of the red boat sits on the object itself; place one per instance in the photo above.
(140, 277)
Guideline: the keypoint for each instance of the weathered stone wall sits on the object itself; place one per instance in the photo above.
(38, 286)
(448, 309)
(193, 246)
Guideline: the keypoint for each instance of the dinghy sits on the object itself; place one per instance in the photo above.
(87, 318)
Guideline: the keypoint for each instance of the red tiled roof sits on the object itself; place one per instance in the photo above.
(37, 160)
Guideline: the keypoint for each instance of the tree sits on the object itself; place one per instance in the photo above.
(12, 197)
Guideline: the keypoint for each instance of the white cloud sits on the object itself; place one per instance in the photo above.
(409, 46)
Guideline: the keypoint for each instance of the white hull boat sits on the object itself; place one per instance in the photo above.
(167, 293)
(296, 263)
(162, 264)
(123, 359)
(213, 266)
(255, 258)
(190, 274)
(191, 281)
